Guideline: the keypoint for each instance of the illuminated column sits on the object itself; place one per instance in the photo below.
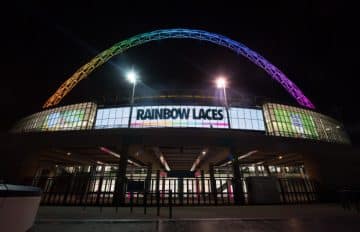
(237, 180)
(213, 182)
(120, 185)
(100, 186)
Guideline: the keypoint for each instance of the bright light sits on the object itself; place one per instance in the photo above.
(203, 152)
(247, 154)
(131, 76)
(280, 157)
(69, 153)
(221, 82)
(108, 151)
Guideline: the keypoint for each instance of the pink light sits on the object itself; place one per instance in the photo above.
(108, 151)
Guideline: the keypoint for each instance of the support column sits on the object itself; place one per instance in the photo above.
(239, 198)
(148, 178)
(181, 190)
(99, 190)
(157, 181)
(203, 185)
(213, 182)
(120, 185)
(256, 170)
(266, 167)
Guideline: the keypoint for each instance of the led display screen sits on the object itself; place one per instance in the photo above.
(289, 121)
(296, 123)
(280, 120)
(246, 119)
(179, 116)
(65, 119)
(112, 118)
(72, 117)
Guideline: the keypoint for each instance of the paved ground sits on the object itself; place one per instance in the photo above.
(208, 225)
(233, 218)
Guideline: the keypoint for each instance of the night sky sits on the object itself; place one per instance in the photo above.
(312, 42)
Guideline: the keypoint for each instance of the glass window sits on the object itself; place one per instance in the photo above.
(247, 119)
(296, 122)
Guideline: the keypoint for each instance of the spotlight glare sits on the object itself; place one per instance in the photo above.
(221, 82)
(131, 76)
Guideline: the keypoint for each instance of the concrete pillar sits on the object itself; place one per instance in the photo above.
(256, 170)
(237, 180)
(213, 182)
(157, 181)
(120, 185)
(267, 169)
(181, 190)
(99, 190)
(203, 185)
(148, 177)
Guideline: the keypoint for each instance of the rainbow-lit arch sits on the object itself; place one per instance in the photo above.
(136, 40)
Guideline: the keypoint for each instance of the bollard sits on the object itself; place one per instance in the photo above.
(131, 201)
(170, 204)
(158, 202)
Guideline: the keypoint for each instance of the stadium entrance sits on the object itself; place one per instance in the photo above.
(181, 149)
(184, 175)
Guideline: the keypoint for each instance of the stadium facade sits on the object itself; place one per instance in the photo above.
(179, 148)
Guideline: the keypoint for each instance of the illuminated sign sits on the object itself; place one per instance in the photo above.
(179, 113)
(179, 116)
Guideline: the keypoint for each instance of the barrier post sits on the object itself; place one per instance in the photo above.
(158, 202)
(170, 204)
(131, 201)
(145, 201)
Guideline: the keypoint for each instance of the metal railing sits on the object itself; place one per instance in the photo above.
(350, 199)
(82, 189)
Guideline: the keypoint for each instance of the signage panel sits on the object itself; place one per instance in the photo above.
(179, 116)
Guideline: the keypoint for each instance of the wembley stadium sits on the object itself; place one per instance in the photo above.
(188, 147)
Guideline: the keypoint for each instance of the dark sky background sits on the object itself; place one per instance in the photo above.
(312, 42)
